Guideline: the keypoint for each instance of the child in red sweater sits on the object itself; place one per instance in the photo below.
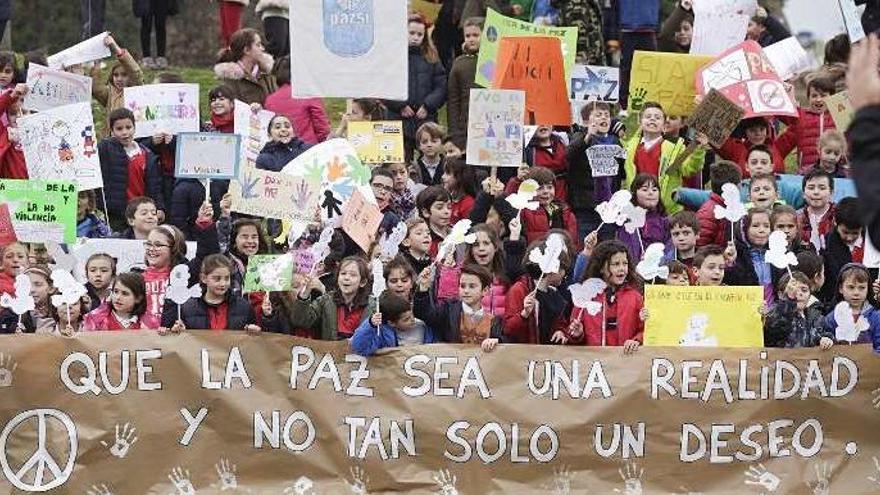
(12, 163)
(551, 212)
(459, 180)
(547, 150)
(811, 123)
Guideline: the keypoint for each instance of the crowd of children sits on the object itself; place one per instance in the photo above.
(488, 291)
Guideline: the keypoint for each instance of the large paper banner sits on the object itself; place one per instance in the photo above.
(498, 27)
(169, 108)
(335, 165)
(841, 110)
(207, 155)
(361, 220)
(274, 195)
(129, 254)
(495, 127)
(60, 144)
(716, 117)
(534, 64)
(704, 316)
(80, 53)
(349, 49)
(667, 78)
(253, 127)
(50, 88)
(852, 19)
(377, 141)
(41, 210)
(746, 77)
(720, 24)
(226, 409)
(595, 83)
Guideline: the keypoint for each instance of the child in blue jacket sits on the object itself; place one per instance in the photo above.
(392, 326)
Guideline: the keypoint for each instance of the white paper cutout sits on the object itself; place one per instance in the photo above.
(584, 293)
(612, 212)
(63, 261)
(321, 249)
(734, 209)
(650, 268)
(178, 285)
(458, 235)
(636, 216)
(778, 254)
(522, 198)
(71, 291)
(848, 330)
(389, 243)
(379, 285)
(22, 302)
(547, 259)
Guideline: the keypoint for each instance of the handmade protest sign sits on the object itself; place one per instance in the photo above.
(716, 117)
(275, 195)
(253, 127)
(50, 88)
(226, 409)
(41, 210)
(534, 65)
(720, 24)
(746, 77)
(497, 27)
(852, 19)
(701, 316)
(788, 58)
(7, 231)
(128, 253)
(595, 83)
(605, 159)
(667, 78)
(377, 141)
(169, 108)
(207, 155)
(60, 144)
(335, 165)
(361, 219)
(80, 53)
(495, 127)
(334, 40)
(268, 273)
(841, 109)
(427, 8)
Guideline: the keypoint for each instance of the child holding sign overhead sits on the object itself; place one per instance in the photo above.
(12, 162)
(125, 72)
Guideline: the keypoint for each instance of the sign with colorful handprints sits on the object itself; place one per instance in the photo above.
(335, 165)
(60, 144)
(274, 195)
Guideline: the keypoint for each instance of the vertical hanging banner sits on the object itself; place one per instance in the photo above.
(50, 88)
(60, 144)
(746, 77)
(349, 49)
(169, 108)
(497, 27)
(667, 78)
(495, 127)
(253, 127)
(41, 210)
(720, 24)
(534, 65)
(377, 141)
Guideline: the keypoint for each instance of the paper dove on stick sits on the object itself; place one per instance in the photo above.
(848, 330)
(321, 249)
(636, 216)
(272, 274)
(22, 301)
(70, 291)
(612, 212)
(178, 285)
(548, 258)
(389, 244)
(63, 261)
(379, 285)
(458, 235)
(734, 209)
(522, 198)
(584, 293)
(649, 268)
(778, 254)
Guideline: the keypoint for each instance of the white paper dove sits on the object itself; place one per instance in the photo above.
(458, 235)
(612, 212)
(272, 274)
(522, 198)
(584, 293)
(848, 330)
(63, 261)
(636, 216)
(778, 254)
(547, 259)
(70, 291)
(735, 208)
(22, 301)
(389, 243)
(649, 268)
(178, 285)
(379, 285)
(321, 248)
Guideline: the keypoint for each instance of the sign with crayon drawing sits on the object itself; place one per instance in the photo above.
(253, 127)
(268, 273)
(667, 78)
(49, 88)
(61, 144)
(207, 155)
(701, 316)
(268, 194)
(534, 65)
(168, 108)
(377, 141)
(41, 210)
(495, 127)
(361, 220)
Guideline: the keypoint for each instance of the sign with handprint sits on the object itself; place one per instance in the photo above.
(274, 195)
(666, 78)
(124, 439)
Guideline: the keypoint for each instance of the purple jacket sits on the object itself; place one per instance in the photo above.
(656, 229)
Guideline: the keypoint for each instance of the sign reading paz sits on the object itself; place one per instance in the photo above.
(667, 78)
(377, 141)
(495, 127)
(49, 88)
(41, 211)
(534, 64)
(204, 155)
(716, 117)
(169, 108)
(228, 412)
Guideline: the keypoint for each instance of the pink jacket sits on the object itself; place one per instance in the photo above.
(447, 290)
(804, 134)
(96, 320)
(307, 115)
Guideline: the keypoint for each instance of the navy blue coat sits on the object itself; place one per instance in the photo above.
(187, 198)
(275, 155)
(114, 170)
(194, 314)
(427, 86)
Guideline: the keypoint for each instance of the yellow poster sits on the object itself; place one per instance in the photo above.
(665, 78)
(377, 141)
(428, 9)
(841, 110)
(704, 316)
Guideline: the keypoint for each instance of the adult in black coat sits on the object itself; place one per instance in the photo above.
(863, 82)
(188, 197)
(871, 16)
(114, 170)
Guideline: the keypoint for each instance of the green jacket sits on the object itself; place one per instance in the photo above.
(669, 182)
(320, 316)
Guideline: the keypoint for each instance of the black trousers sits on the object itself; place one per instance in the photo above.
(157, 17)
(91, 15)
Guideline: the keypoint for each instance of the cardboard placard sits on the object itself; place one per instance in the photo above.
(716, 117)
(61, 144)
(168, 108)
(841, 110)
(41, 210)
(667, 78)
(495, 127)
(50, 88)
(207, 155)
(377, 141)
(361, 220)
(275, 195)
(534, 65)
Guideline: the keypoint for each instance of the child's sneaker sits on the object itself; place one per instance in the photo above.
(161, 63)
(148, 63)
